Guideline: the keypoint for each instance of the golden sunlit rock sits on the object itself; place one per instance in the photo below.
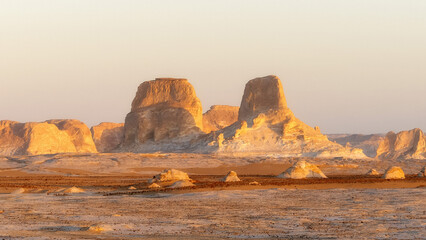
(107, 136)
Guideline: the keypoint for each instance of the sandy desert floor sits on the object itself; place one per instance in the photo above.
(347, 205)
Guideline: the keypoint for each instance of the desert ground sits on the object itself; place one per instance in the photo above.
(116, 203)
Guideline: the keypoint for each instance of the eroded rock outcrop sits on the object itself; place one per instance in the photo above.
(231, 177)
(107, 136)
(162, 110)
(79, 133)
(373, 172)
(266, 124)
(34, 138)
(368, 143)
(403, 145)
(219, 117)
(170, 175)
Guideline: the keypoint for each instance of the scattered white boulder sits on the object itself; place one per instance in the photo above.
(181, 184)
(231, 177)
(302, 170)
(73, 190)
(372, 172)
(254, 183)
(154, 185)
(422, 173)
(18, 191)
(394, 173)
(132, 188)
(170, 175)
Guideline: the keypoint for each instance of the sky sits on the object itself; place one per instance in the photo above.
(346, 66)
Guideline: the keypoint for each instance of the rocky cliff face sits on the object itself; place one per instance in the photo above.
(163, 110)
(266, 124)
(54, 136)
(403, 145)
(79, 133)
(107, 136)
(219, 117)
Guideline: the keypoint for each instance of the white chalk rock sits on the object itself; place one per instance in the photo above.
(181, 184)
(394, 173)
(372, 172)
(302, 170)
(154, 185)
(170, 175)
(231, 177)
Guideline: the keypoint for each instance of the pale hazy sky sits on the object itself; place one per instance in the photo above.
(346, 66)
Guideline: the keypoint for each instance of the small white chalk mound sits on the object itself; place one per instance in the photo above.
(422, 173)
(254, 183)
(170, 175)
(372, 172)
(154, 185)
(302, 170)
(73, 190)
(231, 177)
(132, 188)
(18, 191)
(394, 173)
(181, 184)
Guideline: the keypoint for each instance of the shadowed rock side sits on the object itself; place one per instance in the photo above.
(44, 137)
(266, 124)
(219, 117)
(107, 136)
(403, 145)
(166, 115)
(368, 143)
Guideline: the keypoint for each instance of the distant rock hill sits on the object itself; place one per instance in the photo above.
(53, 136)
(219, 117)
(403, 145)
(368, 143)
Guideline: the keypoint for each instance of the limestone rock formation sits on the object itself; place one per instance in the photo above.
(170, 175)
(302, 170)
(53, 136)
(373, 172)
(33, 139)
(153, 186)
(107, 136)
(162, 110)
(219, 117)
(368, 143)
(181, 184)
(231, 177)
(394, 173)
(266, 124)
(403, 145)
(422, 173)
(79, 133)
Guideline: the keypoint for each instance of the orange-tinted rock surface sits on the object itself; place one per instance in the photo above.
(163, 109)
(219, 117)
(368, 143)
(403, 145)
(107, 136)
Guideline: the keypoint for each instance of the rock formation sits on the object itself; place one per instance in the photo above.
(53, 136)
(170, 175)
(373, 172)
(368, 143)
(181, 184)
(394, 173)
(219, 117)
(422, 173)
(404, 145)
(231, 177)
(162, 110)
(154, 185)
(79, 133)
(107, 136)
(302, 170)
(266, 124)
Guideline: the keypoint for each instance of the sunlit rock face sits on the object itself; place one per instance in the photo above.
(107, 136)
(79, 133)
(368, 143)
(219, 117)
(302, 170)
(394, 173)
(33, 139)
(403, 145)
(162, 110)
(266, 124)
(231, 177)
